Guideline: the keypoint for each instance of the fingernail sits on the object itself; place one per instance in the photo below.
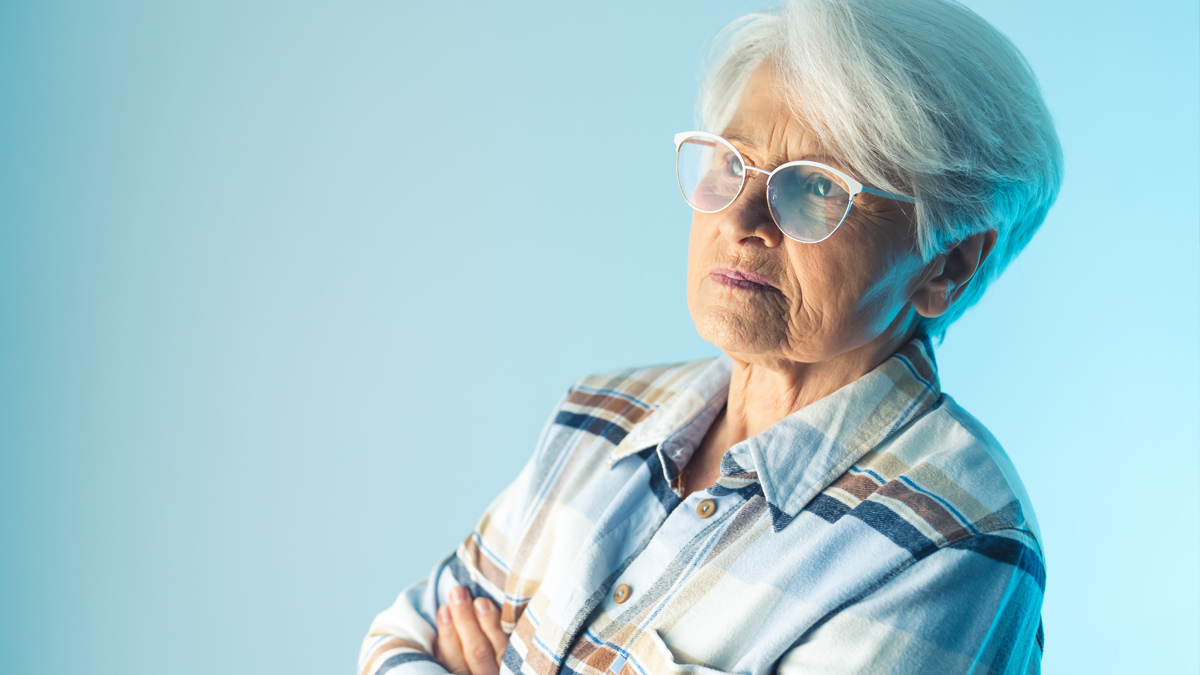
(483, 605)
(444, 615)
(459, 595)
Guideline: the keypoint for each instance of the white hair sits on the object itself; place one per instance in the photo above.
(918, 97)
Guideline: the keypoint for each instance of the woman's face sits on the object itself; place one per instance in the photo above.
(815, 301)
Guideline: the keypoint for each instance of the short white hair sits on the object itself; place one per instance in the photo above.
(918, 97)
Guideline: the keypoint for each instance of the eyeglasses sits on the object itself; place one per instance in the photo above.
(808, 200)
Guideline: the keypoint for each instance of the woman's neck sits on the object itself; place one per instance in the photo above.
(764, 391)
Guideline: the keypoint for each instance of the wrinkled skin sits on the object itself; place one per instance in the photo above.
(833, 310)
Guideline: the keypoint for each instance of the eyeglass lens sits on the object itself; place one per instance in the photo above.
(807, 202)
(710, 173)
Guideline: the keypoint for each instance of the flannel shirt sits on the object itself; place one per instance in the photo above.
(881, 529)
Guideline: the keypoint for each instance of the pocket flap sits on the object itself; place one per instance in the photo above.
(655, 657)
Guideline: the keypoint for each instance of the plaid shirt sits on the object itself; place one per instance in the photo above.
(881, 529)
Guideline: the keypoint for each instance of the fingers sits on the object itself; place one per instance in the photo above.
(488, 616)
(470, 640)
(474, 645)
(448, 648)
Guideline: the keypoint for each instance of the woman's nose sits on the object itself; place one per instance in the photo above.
(748, 218)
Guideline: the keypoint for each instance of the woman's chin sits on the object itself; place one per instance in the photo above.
(734, 332)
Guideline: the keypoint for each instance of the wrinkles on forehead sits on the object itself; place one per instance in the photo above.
(764, 129)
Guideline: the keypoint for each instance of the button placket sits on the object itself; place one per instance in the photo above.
(678, 524)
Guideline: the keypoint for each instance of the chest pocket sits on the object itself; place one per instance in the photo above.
(649, 654)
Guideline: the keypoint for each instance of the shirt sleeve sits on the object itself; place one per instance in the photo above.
(970, 607)
(400, 639)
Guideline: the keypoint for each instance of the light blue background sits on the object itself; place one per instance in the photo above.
(287, 292)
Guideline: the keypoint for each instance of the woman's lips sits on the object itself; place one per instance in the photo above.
(741, 279)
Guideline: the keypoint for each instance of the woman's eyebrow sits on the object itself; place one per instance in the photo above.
(744, 140)
(815, 157)
(819, 157)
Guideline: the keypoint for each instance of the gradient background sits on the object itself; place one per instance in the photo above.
(287, 292)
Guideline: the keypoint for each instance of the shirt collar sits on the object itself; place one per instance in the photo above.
(798, 457)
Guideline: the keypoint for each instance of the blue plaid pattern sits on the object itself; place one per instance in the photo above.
(881, 529)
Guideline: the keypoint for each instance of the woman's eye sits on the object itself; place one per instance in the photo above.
(819, 186)
(734, 165)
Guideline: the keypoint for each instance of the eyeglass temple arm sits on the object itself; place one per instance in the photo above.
(679, 137)
(889, 195)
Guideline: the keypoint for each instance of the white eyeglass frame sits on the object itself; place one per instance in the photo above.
(855, 186)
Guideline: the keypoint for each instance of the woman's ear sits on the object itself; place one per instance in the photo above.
(951, 272)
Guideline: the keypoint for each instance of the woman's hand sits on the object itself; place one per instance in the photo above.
(469, 638)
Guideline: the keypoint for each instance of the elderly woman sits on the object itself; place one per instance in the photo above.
(811, 501)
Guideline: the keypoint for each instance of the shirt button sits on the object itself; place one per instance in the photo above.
(621, 594)
(706, 508)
